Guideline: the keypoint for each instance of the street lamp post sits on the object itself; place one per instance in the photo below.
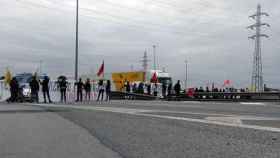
(77, 41)
(40, 68)
(186, 80)
(154, 53)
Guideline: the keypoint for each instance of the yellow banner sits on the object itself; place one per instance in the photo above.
(119, 79)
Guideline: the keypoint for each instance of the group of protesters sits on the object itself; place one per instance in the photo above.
(167, 89)
(102, 87)
(16, 90)
(86, 87)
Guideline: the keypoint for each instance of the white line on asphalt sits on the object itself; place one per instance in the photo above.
(270, 129)
(253, 103)
(140, 112)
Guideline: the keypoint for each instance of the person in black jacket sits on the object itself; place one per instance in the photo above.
(87, 88)
(45, 89)
(169, 89)
(62, 86)
(127, 87)
(100, 90)
(34, 86)
(164, 88)
(108, 90)
(148, 88)
(177, 88)
(80, 86)
(14, 89)
(141, 88)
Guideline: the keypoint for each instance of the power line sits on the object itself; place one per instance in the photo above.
(121, 20)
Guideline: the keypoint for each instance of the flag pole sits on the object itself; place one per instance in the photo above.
(103, 69)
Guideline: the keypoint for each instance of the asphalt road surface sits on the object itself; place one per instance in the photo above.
(141, 129)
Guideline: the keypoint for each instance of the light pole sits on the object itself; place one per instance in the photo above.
(186, 80)
(40, 68)
(77, 41)
(154, 52)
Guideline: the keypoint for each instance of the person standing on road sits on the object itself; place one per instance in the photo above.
(177, 88)
(14, 90)
(127, 87)
(100, 90)
(134, 88)
(34, 86)
(155, 89)
(164, 87)
(45, 89)
(80, 86)
(141, 88)
(148, 88)
(169, 89)
(108, 90)
(63, 87)
(87, 89)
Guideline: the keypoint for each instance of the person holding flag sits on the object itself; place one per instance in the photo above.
(101, 87)
(154, 80)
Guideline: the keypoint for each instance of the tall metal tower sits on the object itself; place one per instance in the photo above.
(145, 61)
(257, 74)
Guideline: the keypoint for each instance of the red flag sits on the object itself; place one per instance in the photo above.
(226, 82)
(101, 70)
(154, 77)
(190, 92)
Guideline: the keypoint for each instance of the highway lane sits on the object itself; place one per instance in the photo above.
(32, 132)
(179, 129)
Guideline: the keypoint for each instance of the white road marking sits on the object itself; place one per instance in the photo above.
(253, 103)
(231, 120)
(158, 103)
(239, 119)
(140, 112)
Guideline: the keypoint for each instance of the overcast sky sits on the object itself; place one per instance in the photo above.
(210, 34)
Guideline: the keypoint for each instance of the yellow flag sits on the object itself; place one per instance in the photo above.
(253, 88)
(8, 76)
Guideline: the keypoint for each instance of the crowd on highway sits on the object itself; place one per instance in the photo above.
(16, 92)
(151, 88)
(83, 90)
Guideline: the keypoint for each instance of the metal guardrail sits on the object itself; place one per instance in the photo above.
(116, 95)
(204, 96)
(228, 96)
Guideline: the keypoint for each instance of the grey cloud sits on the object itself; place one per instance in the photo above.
(211, 34)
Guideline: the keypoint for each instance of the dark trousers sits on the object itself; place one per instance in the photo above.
(87, 95)
(79, 95)
(168, 92)
(34, 96)
(46, 93)
(13, 97)
(63, 95)
(108, 95)
(100, 93)
(155, 93)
